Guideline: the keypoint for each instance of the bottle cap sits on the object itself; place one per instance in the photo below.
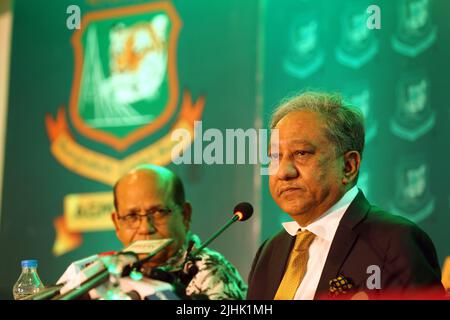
(29, 263)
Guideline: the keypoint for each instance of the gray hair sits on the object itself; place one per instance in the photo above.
(344, 123)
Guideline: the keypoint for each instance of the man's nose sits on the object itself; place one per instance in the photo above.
(287, 169)
(146, 225)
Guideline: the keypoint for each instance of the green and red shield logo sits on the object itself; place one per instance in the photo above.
(125, 82)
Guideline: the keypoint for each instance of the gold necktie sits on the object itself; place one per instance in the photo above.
(296, 268)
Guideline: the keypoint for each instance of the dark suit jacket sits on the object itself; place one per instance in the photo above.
(365, 236)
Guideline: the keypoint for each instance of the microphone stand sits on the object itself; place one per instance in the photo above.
(185, 276)
(214, 236)
(45, 294)
(93, 282)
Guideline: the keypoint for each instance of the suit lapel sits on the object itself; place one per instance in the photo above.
(343, 241)
(278, 261)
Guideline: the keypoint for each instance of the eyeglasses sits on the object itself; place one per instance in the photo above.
(156, 216)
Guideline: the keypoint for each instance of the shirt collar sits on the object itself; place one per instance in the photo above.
(326, 225)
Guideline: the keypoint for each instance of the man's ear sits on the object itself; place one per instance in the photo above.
(115, 220)
(187, 214)
(352, 161)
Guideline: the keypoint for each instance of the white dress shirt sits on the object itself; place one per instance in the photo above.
(324, 228)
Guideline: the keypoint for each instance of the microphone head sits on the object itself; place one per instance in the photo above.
(243, 211)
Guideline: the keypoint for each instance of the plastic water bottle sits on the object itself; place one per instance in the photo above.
(29, 281)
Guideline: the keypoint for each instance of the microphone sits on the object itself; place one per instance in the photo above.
(242, 211)
(136, 266)
(125, 263)
(179, 280)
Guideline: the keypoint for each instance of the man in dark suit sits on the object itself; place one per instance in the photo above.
(337, 242)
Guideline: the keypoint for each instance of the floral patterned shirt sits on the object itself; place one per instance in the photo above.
(216, 278)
